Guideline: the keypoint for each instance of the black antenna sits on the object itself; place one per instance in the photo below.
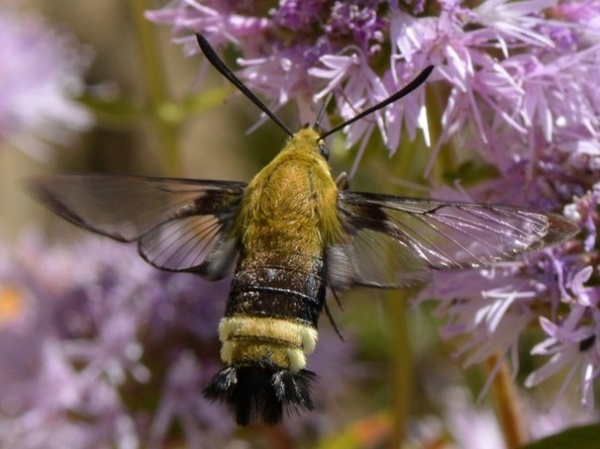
(420, 79)
(227, 73)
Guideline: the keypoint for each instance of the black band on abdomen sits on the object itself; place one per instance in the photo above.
(278, 293)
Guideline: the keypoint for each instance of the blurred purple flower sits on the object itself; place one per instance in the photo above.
(533, 118)
(182, 402)
(107, 351)
(96, 332)
(556, 288)
(41, 74)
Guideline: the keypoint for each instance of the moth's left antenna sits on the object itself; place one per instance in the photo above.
(218, 64)
(420, 79)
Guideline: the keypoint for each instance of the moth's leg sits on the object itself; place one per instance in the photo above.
(342, 182)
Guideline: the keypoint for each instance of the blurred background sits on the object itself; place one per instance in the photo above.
(211, 144)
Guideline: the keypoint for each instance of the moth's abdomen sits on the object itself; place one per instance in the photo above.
(269, 328)
(271, 317)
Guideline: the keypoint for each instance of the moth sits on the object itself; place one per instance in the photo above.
(287, 236)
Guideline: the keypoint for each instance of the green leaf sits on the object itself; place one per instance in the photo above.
(124, 112)
(207, 99)
(117, 110)
(470, 173)
(584, 437)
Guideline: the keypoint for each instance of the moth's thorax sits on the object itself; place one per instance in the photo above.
(291, 204)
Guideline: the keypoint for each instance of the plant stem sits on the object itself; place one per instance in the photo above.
(158, 97)
(401, 365)
(507, 407)
(409, 163)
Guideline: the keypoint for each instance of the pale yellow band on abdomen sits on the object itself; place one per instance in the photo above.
(279, 342)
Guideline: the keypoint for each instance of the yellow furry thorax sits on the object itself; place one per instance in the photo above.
(292, 202)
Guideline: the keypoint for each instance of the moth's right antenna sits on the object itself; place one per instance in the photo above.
(420, 79)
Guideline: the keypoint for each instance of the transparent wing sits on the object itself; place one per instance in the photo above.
(396, 241)
(179, 224)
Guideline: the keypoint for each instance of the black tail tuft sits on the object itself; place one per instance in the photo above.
(256, 393)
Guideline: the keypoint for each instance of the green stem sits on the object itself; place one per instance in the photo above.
(158, 97)
(507, 409)
(410, 161)
(444, 161)
(401, 365)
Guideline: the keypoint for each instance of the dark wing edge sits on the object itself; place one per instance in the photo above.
(46, 190)
(178, 224)
(397, 242)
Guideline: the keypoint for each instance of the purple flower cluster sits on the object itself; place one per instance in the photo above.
(519, 84)
(41, 73)
(298, 48)
(107, 351)
(510, 68)
(92, 334)
(539, 129)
